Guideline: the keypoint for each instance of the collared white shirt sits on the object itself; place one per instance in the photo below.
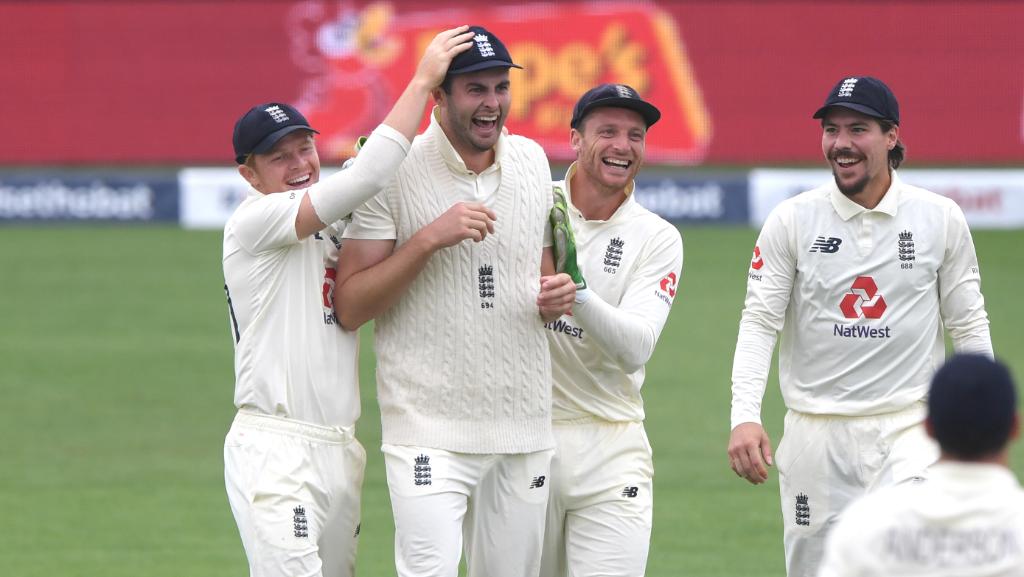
(632, 262)
(292, 358)
(965, 520)
(861, 298)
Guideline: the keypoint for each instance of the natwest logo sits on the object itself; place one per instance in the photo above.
(756, 262)
(863, 300)
(668, 284)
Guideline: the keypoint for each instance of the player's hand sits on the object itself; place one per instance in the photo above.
(464, 220)
(439, 54)
(557, 293)
(564, 241)
(750, 452)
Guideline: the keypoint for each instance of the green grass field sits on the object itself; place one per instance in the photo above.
(116, 379)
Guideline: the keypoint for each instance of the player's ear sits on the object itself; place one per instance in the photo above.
(1015, 427)
(575, 138)
(249, 175)
(893, 136)
(438, 95)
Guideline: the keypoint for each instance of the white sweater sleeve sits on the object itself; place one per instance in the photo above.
(336, 196)
(627, 333)
(769, 284)
(961, 303)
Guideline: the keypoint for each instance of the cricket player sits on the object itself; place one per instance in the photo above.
(448, 260)
(860, 276)
(967, 519)
(626, 262)
(293, 468)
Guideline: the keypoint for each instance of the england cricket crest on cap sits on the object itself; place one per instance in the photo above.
(277, 114)
(846, 88)
(483, 44)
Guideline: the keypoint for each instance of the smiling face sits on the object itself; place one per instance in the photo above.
(609, 145)
(473, 113)
(292, 164)
(857, 150)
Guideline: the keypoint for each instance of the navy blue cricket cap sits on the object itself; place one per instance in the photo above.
(971, 406)
(864, 94)
(488, 51)
(615, 96)
(259, 129)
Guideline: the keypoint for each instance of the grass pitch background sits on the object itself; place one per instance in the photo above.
(116, 383)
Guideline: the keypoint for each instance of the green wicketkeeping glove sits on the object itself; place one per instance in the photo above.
(565, 242)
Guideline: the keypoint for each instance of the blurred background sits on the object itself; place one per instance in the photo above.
(116, 177)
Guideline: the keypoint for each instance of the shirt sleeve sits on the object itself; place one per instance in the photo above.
(268, 222)
(336, 196)
(961, 303)
(769, 285)
(628, 333)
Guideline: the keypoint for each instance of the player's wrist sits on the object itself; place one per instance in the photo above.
(582, 294)
(422, 84)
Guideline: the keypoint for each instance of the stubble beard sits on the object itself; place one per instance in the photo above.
(854, 188)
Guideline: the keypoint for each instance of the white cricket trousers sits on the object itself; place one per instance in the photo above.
(601, 503)
(494, 504)
(294, 490)
(827, 461)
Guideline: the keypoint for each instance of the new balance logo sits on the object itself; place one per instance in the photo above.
(630, 492)
(803, 510)
(826, 245)
(537, 482)
(421, 470)
(299, 522)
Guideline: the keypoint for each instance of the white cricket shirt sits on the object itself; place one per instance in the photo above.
(292, 358)
(632, 262)
(966, 520)
(861, 298)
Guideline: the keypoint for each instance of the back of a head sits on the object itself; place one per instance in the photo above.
(972, 406)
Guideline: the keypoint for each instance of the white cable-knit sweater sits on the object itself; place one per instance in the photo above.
(462, 358)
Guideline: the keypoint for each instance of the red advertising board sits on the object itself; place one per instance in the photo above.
(161, 82)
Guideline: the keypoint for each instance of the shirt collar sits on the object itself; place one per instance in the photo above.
(451, 156)
(848, 209)
(973, 475)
